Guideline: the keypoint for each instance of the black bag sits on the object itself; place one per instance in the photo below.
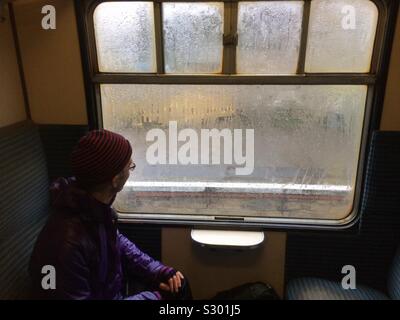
(248, 291)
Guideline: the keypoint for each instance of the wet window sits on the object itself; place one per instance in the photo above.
(193, 37)
(265, 124)
(298, 160)
(269, 37)
(341, 36)
(125, 37)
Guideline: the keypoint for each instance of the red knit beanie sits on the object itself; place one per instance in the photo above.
(99, 156)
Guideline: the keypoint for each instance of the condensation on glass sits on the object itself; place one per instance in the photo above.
(269, 37)
(192, 35)
(125, 37)
(306, 148)
(341, 35)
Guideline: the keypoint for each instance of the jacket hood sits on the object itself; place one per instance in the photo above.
(66, 194)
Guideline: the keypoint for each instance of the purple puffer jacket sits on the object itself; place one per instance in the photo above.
(91, 258)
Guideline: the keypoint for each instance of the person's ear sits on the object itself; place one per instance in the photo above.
(115, 181)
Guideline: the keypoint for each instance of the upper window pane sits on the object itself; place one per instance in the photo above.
(341, 36)
(269, 37)
(193, 37)
(125, 37)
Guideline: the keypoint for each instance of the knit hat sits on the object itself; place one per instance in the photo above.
(99, 156)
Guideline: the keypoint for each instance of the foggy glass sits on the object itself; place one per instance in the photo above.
(306, 148)
(125, 38)
(341, 36)
(192, 35)
(269, 37)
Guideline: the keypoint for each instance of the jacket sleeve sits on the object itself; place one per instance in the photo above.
(72, 274)
(145, 295)
(140, 264)
(72, 281)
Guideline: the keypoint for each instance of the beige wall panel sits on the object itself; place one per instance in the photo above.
(391, 107)
(12, 108)
(52, 63)
(213, 271)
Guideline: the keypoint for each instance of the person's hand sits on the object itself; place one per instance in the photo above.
(174, 283)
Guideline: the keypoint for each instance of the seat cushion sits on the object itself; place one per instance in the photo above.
(320, 289)
(394, 277)
(15, 254)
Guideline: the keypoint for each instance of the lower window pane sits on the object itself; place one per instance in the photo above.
(288, 151)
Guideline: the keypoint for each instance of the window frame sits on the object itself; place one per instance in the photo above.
(375, 80)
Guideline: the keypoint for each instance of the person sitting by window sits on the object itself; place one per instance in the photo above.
(80, 240)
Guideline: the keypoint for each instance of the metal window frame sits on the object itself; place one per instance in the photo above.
(375, 80)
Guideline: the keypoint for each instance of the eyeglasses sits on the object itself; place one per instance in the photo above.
(132, 166)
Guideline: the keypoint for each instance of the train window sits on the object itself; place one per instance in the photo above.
(305, 148)
(269, 37)
(125, 37)
(240, 112)
(192, 34)
(341, 42)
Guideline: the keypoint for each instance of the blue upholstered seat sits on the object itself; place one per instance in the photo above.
(394, 278)
(309, 288)
(24, 203)
(321, 289)
(379, 221)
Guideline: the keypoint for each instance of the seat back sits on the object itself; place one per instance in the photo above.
(383, 198)
(24, 202)
(381, 203)
(381, 219)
